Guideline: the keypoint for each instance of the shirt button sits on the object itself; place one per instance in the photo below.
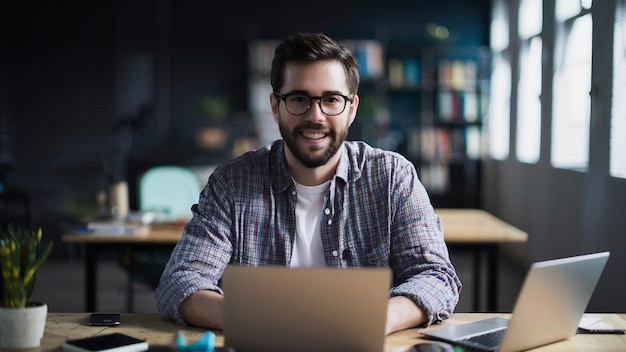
(293, 193)
(327, 211)
(330, 222)
(335, 253)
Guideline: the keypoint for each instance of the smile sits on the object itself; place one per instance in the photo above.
(313, 135)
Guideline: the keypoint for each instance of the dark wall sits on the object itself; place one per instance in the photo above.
(57, 71)
(87, 84)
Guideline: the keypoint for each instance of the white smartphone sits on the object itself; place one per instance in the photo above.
(115, 342)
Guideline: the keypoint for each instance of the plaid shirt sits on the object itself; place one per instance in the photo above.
(376, 214)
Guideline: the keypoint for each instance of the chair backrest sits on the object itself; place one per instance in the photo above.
(170, 191)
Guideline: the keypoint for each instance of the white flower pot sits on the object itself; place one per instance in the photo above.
(22, 327)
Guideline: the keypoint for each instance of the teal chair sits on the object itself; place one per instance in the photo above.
(169, 191)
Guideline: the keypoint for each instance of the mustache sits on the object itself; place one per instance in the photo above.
(311, 126)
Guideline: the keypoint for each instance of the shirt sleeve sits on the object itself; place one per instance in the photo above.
(420, 260)
(200, 256)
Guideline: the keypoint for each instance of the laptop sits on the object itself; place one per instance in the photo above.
(550, 305)
(305, 309)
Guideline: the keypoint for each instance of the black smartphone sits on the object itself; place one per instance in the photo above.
(104, 319)
(432, 347)
(115, 342)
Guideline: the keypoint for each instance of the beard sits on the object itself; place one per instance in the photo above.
(308, 159)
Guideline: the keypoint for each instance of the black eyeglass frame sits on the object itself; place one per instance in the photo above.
(346, 99)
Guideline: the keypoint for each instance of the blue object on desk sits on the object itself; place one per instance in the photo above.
(205, 343)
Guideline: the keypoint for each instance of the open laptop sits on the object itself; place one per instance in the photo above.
(305, 309)
(549, 308)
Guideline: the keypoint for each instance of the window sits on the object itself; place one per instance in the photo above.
(618, 111)
(529, 84)
(498, 126)
(572, 85)
(499, 30)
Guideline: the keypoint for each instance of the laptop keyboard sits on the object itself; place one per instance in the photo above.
(486, 342)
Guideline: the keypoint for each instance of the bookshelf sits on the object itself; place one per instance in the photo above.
(444, 137)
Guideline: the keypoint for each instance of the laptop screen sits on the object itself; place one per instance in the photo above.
(305, 309)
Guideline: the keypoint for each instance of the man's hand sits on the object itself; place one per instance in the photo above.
(203, 309)
(402, 314)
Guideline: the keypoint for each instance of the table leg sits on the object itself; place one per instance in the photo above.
(477, 275)
(91, 276)
(130, 290)
(485, 257)
(492, 275)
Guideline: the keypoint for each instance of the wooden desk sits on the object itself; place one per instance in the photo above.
(471, 230)
(165, 237)
(157, 331)
(480, 233)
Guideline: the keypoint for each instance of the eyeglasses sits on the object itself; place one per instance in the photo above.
(330, 104)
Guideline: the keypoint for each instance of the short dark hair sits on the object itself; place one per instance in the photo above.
(303, 47)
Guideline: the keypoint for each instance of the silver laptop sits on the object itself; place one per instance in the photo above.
(549, 308)
(305, 309)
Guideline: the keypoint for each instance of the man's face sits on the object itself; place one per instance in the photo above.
(314, 137)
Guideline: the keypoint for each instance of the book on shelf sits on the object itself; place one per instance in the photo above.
(457, 74)
(445, 106)
(457, 106)
(470, 107)
(435, 177)
(428, 143)
(473, 142)
(370, 56)
(404, 73)
(411, 72)
(442, 144)
(458, 142)
(395, 73)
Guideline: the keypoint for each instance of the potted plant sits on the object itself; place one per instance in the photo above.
(22, 321)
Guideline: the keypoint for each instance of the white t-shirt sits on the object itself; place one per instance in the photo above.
(308, 250)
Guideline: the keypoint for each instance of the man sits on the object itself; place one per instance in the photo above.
(313, 199)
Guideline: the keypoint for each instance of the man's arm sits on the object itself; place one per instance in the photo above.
(402, 314)
(423, 272)
(204, 309)
(196, 263)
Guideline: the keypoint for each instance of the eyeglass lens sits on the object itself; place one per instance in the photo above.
(332, 104)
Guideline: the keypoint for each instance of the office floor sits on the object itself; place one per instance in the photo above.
(61, 285)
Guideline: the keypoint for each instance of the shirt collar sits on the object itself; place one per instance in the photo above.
(349, 168)
(352, 162)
